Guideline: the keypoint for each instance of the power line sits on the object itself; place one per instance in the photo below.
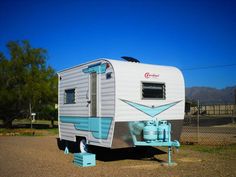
(208, 67)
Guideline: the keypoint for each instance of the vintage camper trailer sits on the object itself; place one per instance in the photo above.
(118, 104)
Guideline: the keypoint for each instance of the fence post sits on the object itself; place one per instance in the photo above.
(234, 108)
(198, 121)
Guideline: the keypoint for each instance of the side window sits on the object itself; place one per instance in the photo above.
(69, 96)
(153, 90)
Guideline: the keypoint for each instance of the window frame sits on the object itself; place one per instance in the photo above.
(65, 96)
(150, 82)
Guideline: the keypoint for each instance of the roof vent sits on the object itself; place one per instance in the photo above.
(130, 59)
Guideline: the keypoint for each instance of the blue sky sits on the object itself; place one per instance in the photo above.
(186, 34)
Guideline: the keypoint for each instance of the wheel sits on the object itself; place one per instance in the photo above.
(83, 146)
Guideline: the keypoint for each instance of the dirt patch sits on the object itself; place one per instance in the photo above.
(38, 156)
(143, 167)
(188, 159)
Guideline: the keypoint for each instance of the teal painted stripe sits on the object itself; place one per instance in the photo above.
(98, 126)
(98, 68)
(150, 110)
(73, 120)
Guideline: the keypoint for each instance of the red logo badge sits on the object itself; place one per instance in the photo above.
(148, 75)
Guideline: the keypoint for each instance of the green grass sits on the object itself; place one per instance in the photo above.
(28, 121)
(20, 128)
(53, 131)
(220, 149)
(28, 132)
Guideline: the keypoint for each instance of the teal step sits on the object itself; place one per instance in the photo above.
(85, 159)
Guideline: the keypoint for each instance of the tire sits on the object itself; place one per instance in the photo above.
(83, 146)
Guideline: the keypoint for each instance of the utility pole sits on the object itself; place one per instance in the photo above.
(234, 102)
(30, 111)
(234, 111)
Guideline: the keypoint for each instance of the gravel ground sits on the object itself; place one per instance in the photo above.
(40, 156)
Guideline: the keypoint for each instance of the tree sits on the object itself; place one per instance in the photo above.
(26, 82)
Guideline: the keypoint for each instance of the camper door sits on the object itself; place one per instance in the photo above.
(94, 107)
(93, 90)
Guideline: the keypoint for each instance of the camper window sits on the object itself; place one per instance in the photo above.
(153, 90)
(69, 96)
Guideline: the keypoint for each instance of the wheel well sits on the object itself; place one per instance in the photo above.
(79, 138)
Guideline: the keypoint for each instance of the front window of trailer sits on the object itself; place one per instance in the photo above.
(151, 90)
(69, 96)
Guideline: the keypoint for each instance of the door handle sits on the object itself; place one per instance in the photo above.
(89, 101)
(87, 94)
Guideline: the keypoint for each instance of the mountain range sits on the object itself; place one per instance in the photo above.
(208, 95)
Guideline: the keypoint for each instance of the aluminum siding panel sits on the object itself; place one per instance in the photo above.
(75, 78)
(129, 77)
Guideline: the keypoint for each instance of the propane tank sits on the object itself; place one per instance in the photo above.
(150, 131)
(163, 131)
(137, 127)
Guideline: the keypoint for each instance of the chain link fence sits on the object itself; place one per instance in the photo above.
(213, 125)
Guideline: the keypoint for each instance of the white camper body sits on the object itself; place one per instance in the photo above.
(98, 100)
